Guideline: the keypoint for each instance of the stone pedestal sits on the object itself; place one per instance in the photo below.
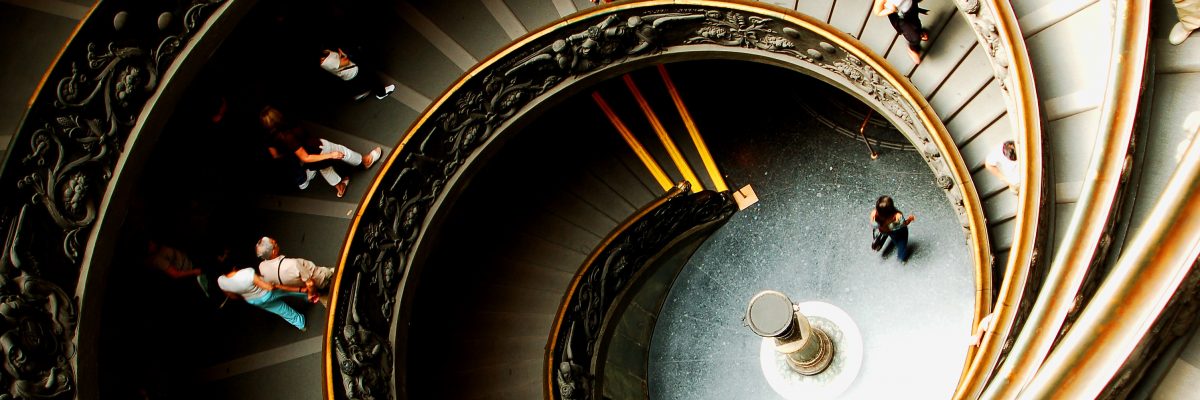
(772, 314)
(797, 355)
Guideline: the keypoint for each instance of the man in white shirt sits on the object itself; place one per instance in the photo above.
(1003, 164)
(339, 64)
(282, 270)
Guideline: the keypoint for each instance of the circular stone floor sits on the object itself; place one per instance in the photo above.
(808, 236)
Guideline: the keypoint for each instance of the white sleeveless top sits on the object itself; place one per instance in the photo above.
(333, 62)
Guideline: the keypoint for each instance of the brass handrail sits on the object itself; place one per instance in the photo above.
(1026, 118)
(862, 131)
(1139, 287)
(1093, 211)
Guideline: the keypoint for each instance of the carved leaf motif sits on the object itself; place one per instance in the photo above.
(98, 90)
(969, 6)
(774, 42)
(714, 32)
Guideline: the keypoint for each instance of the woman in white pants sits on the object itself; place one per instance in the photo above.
(315, 154)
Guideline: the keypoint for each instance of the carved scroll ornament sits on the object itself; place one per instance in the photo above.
(983, 21)
(59, 167)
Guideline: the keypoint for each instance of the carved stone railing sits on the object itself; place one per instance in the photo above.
(999, 35)
(1087, 238)
(384, 250)
(57, 179)
(584, 319)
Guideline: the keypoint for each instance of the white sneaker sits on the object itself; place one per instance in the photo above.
(1178, 34)
(372, 157)
(309, 175)
(386, 91)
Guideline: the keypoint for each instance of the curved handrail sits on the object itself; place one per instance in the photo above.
(1026, 118)
(608, 269)
(1141, 285)
(1093, 212)
(388, 229)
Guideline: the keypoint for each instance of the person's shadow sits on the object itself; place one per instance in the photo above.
(889, 247)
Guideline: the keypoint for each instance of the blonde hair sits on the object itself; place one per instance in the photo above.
(271, 118)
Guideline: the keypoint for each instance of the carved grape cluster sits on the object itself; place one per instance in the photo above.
(775, 42)
(75, 193)
(127, 81)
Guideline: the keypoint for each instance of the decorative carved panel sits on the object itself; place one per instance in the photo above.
(59, 166)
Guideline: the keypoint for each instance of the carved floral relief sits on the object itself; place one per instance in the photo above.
(58, 170)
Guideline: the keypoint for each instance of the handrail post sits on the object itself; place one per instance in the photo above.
(862, 131)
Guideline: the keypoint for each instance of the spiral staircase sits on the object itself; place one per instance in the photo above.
(483, 334)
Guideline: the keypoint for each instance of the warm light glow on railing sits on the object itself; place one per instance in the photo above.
(1137, 290)
(710, 165)
(1093, 211)
(669, 144)
(1026, 118)
(642, 154)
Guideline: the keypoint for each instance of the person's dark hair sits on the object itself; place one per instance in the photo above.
(885, 210)
(1010, 150)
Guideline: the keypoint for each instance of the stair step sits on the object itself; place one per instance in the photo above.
(948, 50)
(819, 9)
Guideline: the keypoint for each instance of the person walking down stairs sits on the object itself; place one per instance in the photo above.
(315, 154)
(279, 269)
(904, 16)
(362, 83)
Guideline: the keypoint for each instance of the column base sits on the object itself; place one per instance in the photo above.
(837, 375)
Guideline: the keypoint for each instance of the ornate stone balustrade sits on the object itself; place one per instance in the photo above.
(384, 251)
(58, 174)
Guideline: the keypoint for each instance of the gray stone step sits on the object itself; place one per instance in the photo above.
(51, 24)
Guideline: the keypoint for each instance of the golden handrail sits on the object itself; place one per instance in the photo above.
(1094, 208)
(1026, 118)
(1129, 301)
(862, 131)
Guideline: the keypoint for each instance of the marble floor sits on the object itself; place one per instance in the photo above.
(808, 236)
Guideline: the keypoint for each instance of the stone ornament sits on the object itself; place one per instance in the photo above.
(983, 21)
(59, 167)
